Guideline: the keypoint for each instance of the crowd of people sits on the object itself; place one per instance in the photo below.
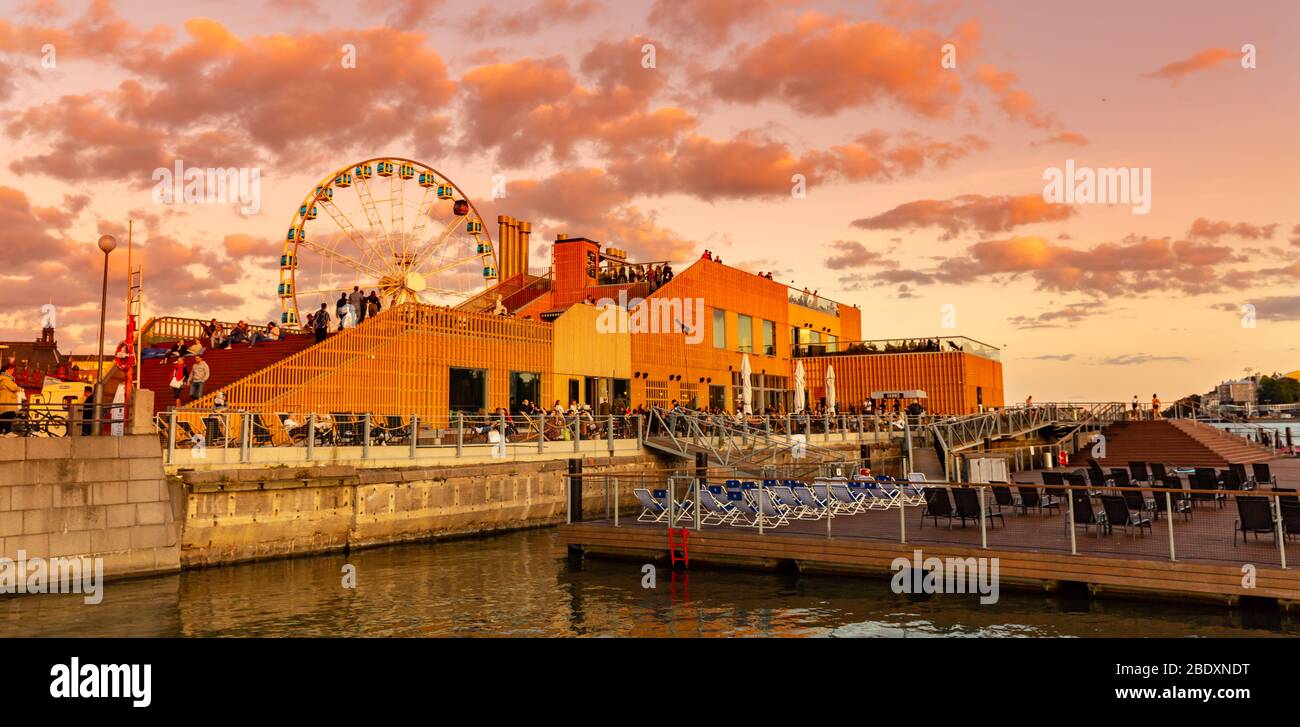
(619, 273)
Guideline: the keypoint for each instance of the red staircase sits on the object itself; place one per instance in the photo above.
(1173, 442)
(228, 366)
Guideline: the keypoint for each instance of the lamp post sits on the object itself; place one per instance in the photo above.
(107, 243)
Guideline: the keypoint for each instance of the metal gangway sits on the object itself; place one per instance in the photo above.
(729, 443)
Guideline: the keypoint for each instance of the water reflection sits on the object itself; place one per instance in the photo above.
(520, 584)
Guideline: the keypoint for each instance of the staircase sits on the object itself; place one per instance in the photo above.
(1173, 442)
(228, 366)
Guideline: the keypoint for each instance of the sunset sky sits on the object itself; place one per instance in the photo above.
(924, 183)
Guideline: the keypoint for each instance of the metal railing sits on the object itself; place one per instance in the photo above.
(56, 420)
(1166, 521)
(497, 435)
(933, 344)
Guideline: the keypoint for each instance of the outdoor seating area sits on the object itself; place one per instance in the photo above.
(1146, 510)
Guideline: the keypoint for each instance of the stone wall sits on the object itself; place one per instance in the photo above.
(242, 515)
(104, 497)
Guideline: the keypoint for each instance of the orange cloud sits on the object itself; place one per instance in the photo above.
(1205, 229)
(1203, 61)
(826, 65)
(490, 20)
(969, 211)
(709, 21)
(1019, 105)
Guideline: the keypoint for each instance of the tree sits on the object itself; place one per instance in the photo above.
(1277, 389)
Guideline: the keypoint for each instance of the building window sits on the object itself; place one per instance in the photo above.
(622, 394)
(744, 333)
(717, 396)
(525, 386)
(769, 338)
(656, 393)
(689, 396)
(467, 390)
(719, 328)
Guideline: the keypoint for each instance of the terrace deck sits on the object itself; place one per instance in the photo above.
(1033, 550)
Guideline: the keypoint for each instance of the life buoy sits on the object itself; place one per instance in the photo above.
(1063, 458)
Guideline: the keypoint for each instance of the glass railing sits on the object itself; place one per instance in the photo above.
(815, 302)
(941, 344)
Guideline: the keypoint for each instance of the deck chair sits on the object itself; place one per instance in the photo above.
(1137, 472)
(968, 507)
(812, 506)
(1263, 475)
(1120, 477)
(1289, 507)
(1085, 515)
(1177, 498)
(1207, 485)
(1231, 478)
(714, 511)
(1030, 497)
(1239, 471)
(652, 509)
(1002, 497)
(846, 503)
(1254, 515)
(1158, 472)
(937, 505)
(1118, 514)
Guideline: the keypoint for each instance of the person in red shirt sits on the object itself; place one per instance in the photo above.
(178, 377)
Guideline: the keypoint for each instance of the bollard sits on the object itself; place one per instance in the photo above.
(460, 432)
(640, 439)
(616, 508)
(1074, 546)
(171, 436)
(611, 435)
(575, 490)
(984, 535)
(902, 525)
(246, 437)
(697, 503)
(365, 436)
(1169, 515)
(415, 433)
(541, 432)
(311, 435)
(577, 432)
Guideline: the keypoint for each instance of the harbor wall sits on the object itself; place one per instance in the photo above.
(242, 515)
(93, 497)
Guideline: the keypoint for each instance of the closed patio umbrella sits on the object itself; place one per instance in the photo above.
(830, 388)
(798, 386)
(746, 388)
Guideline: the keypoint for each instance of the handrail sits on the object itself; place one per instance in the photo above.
(175, 328)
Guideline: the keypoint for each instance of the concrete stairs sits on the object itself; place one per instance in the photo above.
(1172, 442)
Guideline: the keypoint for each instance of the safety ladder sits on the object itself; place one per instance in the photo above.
(679, 537)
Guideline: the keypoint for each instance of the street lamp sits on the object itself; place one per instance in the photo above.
(107, 243)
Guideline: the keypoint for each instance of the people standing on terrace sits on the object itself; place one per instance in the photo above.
(321, 323)
(357, 299)
(1155, 406)
(1135, 406)
(373, 305)
(178, 377)
(8, 398)
(200, 372)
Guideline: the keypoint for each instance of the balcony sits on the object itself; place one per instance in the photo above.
(941, 344)
(814, 302)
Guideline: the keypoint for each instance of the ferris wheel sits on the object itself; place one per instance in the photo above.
(399, 227)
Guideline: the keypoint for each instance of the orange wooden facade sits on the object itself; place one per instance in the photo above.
(954, 382)
(397, 364)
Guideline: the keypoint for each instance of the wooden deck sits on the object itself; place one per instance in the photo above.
(1033, 550)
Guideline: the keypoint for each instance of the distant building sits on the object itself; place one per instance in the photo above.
(35, 360)
(1239, 392)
